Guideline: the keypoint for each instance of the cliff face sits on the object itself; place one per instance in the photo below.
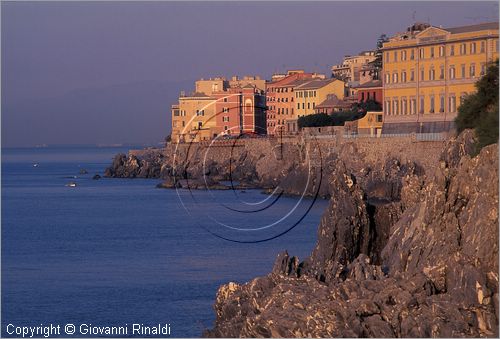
(400, 253)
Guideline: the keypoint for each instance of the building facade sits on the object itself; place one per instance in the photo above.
(219, 106)
(281, 113)
(350, 68)
(371, 90)
(240, 110)
(314, 92)
(428, 70)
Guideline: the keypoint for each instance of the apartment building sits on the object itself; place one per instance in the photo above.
(428, 71)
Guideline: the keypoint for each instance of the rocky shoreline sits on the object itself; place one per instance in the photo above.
(421, 262)
(408, 246)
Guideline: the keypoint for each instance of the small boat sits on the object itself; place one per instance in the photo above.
(35, 164)
(71, 184)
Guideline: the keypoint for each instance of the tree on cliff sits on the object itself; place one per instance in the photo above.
(480, 110)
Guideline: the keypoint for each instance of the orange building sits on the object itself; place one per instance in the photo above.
(280, 100)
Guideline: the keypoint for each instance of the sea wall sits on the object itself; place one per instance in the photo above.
(269, 162)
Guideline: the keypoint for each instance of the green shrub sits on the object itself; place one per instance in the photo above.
(480, 110)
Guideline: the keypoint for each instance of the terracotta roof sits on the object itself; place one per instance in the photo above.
(333, 101)
(473, 28)
(314, 84)
(371, 84)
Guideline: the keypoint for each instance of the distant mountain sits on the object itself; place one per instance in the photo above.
(137, 112)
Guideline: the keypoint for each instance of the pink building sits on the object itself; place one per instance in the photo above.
(240, 110)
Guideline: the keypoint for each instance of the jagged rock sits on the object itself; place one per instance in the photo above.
(96, 177)
(407, 254)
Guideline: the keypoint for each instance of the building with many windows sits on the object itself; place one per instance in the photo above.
(219, 106)
(350, 68)
(428, 70)
(315, 92)
(281, 115)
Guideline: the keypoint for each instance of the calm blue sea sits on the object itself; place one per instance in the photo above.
(112, 252)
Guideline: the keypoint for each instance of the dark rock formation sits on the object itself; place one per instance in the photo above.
(400, 253)
(96, 177)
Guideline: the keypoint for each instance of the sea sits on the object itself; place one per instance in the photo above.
(118, 252)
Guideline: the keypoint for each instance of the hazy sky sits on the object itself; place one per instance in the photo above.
(107, 72)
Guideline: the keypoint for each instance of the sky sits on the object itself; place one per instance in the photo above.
(107, 72)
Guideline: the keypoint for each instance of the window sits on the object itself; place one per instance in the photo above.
(422, 54)
(403, 76)
(174, 124)
(452, 103)
(452, 50)
(463, 49)
(412, 54)
(387, 57)
(403, 55)
(395, 78)
(452, 72)
(441, 72)
(395, 106)
(176, 112)
(441, 51)
(412, 75)
(432, 104)
(483, 68)
(395, 56)
(200, 124)
(308, 105)
(387, 78)
(388, 107)
(431, 74)
(441, 103)
(462, 71)
(379, 117)
(200, 112)
(422, 73)
(225, 128)
(303, 106)
(432, 52)
(413, 103)
(473, 48)
(472, 71)
(422, 103)
(298, 105)
(483, 46)
(225, 110)
(404, 104)
(225, 119)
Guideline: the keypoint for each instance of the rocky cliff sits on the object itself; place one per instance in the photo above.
(401, 252)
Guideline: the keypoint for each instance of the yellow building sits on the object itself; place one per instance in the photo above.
(371, 124)
(193, 119)
(314, 92)
(428, 70)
